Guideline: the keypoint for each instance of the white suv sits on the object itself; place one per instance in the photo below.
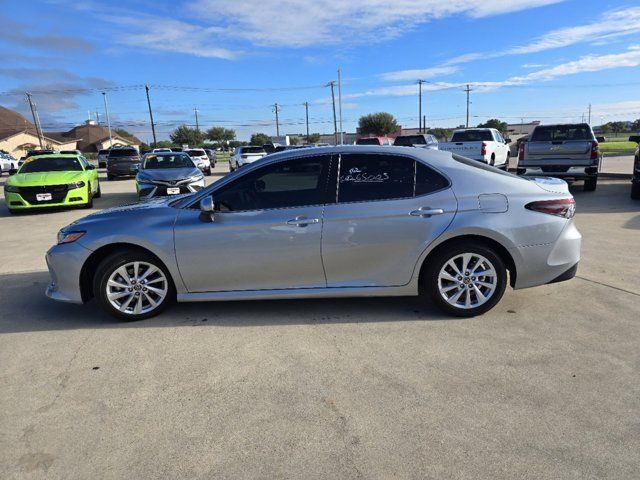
(243, 155)
(201, 159)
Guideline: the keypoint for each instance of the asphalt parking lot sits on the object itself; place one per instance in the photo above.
(543, 386)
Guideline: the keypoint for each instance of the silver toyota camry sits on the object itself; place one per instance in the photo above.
(343, 221)
(167, 173)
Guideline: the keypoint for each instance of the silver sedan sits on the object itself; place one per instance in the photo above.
(167, 173)
(327, 222)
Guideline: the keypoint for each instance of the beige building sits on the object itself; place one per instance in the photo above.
(92, 138)
(18, 135)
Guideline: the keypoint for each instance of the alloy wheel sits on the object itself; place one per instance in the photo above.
(467, 281)
(137, 288)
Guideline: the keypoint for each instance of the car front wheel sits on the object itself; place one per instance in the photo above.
(133, 286)
(465, 280)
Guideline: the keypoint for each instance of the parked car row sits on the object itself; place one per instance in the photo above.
(7, 163)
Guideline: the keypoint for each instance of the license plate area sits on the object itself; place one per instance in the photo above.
(44, 197)
(173, 190)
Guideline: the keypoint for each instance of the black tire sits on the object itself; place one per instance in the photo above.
(99, 192)
(208, 173)
(590, 184)
(436, 262)
(635, 191)
(89, 203)
(113, 262)
(110, 177)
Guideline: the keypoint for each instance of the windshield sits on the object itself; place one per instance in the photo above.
(252, 150)
(472, 136)
(196, 153)
(103, 152)
(52, 164)
(409, 140)
(154, 162)
(558, 133)
(123, 152)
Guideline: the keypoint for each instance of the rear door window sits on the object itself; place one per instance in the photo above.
(472, 136)
(375, 177)
(557, 133)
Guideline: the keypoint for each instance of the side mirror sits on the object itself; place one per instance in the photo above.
(634, 138)
(601, 139)
(207, 209)
(91, 167)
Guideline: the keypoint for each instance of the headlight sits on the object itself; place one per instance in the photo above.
(196, 178)
(73, 185)
(69, 236)
(11, 188)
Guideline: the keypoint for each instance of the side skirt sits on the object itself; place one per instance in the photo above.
(337, 292)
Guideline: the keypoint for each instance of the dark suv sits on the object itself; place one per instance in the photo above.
(122, 162)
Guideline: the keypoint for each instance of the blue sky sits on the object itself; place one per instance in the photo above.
(232, 60)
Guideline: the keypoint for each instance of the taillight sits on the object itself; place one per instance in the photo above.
(594, 150)
(483, 149)
(521, 152)
(562, 207)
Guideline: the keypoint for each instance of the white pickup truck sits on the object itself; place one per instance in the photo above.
(483, 144)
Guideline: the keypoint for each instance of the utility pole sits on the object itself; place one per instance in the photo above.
(276, 109)
(424, 123)
(195, 110)
(106, 110)
(420, 124)
(36, 120)
(468, 90)
(97, 118)
(340, 105)
(306, 111)
(153, 127)
(335, 122)
(589, 114)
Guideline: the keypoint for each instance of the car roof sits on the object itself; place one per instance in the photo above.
(55, 155)
(423, 153)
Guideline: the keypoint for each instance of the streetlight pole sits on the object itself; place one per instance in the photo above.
(276, 109)
(420, 126)
(36, 120)
(306, 111)
(335, 122)
(340, 105)
(106, 111)
(153, 127)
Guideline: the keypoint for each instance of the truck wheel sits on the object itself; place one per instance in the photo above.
(635, 191)
(590, 184)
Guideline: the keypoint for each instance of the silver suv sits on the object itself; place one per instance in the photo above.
(342, 221)
(567, 151)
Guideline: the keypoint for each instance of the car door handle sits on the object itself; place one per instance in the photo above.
(302, 221)
(426, 212)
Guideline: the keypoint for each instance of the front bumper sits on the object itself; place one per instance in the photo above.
(148, 190)
(65, 264)
(75, 197)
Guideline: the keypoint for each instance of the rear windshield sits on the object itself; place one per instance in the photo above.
(196, 153)
(562, 132)
(368, 141)
(484, 166)
(252, 150)
(103, 152)
(472, 136)
(168, 161)
(51, 164)
(123, 152)
(410, 140)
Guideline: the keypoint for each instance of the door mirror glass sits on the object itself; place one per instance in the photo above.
(634, 138)
(91, 167)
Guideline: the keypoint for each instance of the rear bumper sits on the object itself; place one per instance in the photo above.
(559, 171)
(550, 262)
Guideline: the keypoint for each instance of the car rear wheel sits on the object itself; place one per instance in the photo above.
(465, 280)
(133, 286)
(99, 192)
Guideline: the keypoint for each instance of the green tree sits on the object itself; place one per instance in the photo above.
(618, 127)
(313, 138)
(635, 126)
(123, 133)
(260, 139)
(293, 141)
(220, 134)
(165, 144)
(381, 124)
(442, 134)
(494, 123)
(185, 135)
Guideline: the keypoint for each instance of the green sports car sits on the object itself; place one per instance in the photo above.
(52, 181)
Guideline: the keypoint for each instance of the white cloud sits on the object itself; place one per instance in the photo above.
(419, 73)
(301, 23)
